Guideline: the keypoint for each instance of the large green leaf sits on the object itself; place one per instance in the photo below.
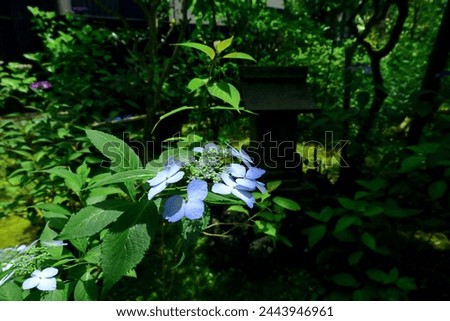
(226, 92)
(86, 289)
(127, 241)
(92, 219)
(122, 157)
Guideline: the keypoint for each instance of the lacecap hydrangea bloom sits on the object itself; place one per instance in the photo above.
(210, 166)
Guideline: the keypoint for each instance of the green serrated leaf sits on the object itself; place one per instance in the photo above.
(286, 203)
(92, 219)
(239, 55)
(127, 241)
(122, 157)
(226, 92)
(100, 194)
(86, 289)
(203, 48)
(10, 291)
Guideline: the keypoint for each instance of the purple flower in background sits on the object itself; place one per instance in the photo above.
(248, 177)
(231, 187)
(44, 84)
(176, 207)
(170, 174)
(79, 9)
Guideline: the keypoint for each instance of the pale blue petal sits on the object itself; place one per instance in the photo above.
(237, 170)
(30, 283)
(175, 178)
(227, 180)
(194, 209)
(49, 272)
(220, 188)
(156, 189)
(159, 178)
(47, 284)
(36, 273)
(174, 208)
(245, 196)
(261, 187)
(246, 184)
(198, 149)
(197, 189)
(173, 169)
(254, 173)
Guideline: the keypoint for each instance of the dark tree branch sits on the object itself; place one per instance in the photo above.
(380, 92)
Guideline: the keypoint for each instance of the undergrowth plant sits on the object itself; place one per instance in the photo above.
(105, 217)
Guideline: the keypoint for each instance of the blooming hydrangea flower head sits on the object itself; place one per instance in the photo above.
(229, 186)
(248, 177)
(209, 163)
(170, 174)
(176, 207)
(44, 280)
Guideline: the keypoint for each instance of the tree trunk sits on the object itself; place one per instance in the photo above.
(431, 83)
